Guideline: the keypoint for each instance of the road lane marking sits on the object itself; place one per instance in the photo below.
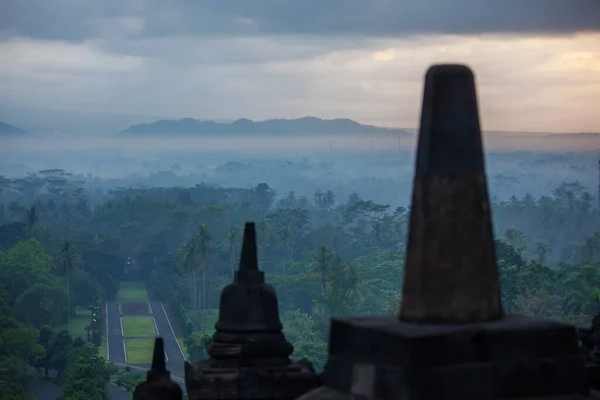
(156, 326)
(172, 331)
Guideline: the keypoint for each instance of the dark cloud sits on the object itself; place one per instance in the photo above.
(75, 20)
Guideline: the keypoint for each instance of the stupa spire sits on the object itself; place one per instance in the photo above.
(451, 274)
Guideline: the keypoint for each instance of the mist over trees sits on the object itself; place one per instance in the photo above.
(68, 240)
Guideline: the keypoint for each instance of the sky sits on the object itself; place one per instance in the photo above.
(537, 62)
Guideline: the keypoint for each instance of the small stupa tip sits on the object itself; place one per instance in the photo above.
(159, 364)
(249, 257)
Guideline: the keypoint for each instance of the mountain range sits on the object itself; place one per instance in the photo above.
(299, 126)
(7, 130)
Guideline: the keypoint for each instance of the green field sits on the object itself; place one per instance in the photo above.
(138, 326)
(77, 322)
(132, 291)
(80, 321)
(139, 350)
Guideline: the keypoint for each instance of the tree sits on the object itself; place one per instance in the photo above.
(41, 304)
(321, 259)
(58, 351)
(18, 347)
(68, 261)
(22, 266)
(86, 374)
(45, 339)
(188, 255)
(233, 245)
(583, 293)
(264, 196)
(193, 256)
(83, 288)
(541, 252)
(205, 250)
(515, 238)
(31, 221)
(589, 252)
(195, 344)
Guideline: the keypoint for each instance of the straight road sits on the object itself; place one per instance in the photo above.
(116, 349)
(44, 390)
(165, 330)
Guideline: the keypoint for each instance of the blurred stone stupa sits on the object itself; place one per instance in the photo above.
(249, 354)
(158, 384)
(451, 339)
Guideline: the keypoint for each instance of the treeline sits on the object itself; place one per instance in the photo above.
(39, 293)
(325, 256)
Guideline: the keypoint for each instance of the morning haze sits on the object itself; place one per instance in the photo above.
(131, 131)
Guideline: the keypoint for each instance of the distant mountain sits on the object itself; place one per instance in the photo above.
(299, 126)
(9, 130)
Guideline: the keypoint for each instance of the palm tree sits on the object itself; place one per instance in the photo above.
(205, 250)
(515, 238)
(590, 249)
(187, 263)
(14, 209)
(329, 199)
(193, 255)
(261, 236)
(233, 244)
(321, 258)
(68, 262)
(31, 220)
(541, 251)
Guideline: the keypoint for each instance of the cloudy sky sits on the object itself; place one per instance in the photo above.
(537, 62)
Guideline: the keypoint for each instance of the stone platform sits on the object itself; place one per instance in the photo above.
(515, 357)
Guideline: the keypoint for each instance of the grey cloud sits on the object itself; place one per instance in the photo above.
(79, 20)
(199, 51)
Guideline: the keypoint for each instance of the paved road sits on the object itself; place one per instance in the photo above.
(165, 330)
(116, 351)
(45, 390)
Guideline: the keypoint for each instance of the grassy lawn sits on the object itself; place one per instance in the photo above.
(138, 326)
(181, 342)
(77, 322)
(102, 350)
(80, 321)
(139, 350)
(132, 291)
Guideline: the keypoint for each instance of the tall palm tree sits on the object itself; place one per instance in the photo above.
(68, 262)
(32, 218)
(515, 238)
(14, 209)
(233, 244)
(261, 240)
(194, 256)
(590, 249)
(187, 263)
(541, 251)
(321, 260)
(205, 250)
